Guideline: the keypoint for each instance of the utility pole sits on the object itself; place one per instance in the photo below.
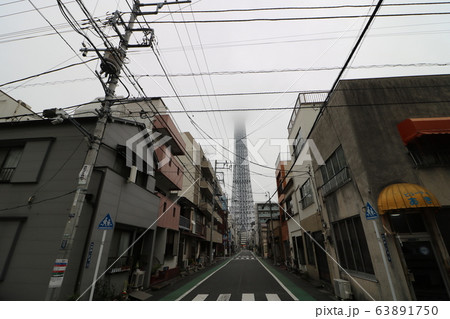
(214, 207)
(112, 63)
(271, 228)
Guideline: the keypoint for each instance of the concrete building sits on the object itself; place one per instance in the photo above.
(386, 147)
(305, 222)
(40, 168)
(12, 110)
(199, 204)
(264, 212)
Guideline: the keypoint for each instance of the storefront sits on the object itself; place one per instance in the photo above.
(409, 215)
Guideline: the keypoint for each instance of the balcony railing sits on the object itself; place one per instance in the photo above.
(200, 230)
(205, 206)
(185, 223)
(336, 181)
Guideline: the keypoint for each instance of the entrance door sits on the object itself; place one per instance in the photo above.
(321, 257)
(425, 274)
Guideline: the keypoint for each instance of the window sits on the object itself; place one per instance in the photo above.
(429, 151)
(407, 223)
(298, 143)
(301, 250)
(352, 246)
(306, 194)
(120, 242)
(9, 160)
(309, 249)
(334, 172)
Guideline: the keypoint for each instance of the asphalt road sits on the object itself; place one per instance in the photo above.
(243, 278)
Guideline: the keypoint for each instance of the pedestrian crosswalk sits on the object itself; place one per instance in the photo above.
(227, 297)
(244, 258)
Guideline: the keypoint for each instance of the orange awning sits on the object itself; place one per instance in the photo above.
(411, 129)
(404, 196)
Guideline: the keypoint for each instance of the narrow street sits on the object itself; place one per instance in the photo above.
(243, 277)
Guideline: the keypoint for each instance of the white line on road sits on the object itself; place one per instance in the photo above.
(272, 297)
(202, 281)
(279, 282)
(200, 297)
(224, 297)
(248, 297)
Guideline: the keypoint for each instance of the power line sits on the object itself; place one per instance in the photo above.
(243, 72)
(311, 8)
(48, 72)
(299, 18)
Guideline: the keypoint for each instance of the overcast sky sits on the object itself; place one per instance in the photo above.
(257, 57)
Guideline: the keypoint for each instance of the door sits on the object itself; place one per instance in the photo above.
(321, 257)
(424, 271)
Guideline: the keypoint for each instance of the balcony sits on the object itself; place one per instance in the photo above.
(163, 124)
(200, 230)
(204, 184)
(205, 207)
(170, 175)
(207, 168)
(341, 178)
(311, 99)
(185, 223)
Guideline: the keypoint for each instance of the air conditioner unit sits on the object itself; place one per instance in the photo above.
(342, 289)
(137, 279)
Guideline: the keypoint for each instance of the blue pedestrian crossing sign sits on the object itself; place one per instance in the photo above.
(371, 213)
(106, 223)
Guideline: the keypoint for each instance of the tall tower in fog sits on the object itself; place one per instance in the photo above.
(242, 208)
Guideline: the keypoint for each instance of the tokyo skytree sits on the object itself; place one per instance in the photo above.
(242, 208)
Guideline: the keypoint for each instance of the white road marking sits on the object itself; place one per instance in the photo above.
(200, 297)
(248, 297)
(224, 297)
(272, 297)
(202, 281)
(278, 281)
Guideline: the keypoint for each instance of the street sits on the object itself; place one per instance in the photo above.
(243, 277)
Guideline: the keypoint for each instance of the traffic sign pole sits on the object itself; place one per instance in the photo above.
(97, 266)
(372, 214)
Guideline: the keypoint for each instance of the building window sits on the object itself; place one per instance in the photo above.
(306, 194)
(352, 246)
(289, 212)
(298, 143)
(430, 151)
(9, 159)
(119, 253)
(334, 172)
(301, 250)
(309, 249)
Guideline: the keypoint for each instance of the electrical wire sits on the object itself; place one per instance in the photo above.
(48, 72)
(301, 18)
(312, 7)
